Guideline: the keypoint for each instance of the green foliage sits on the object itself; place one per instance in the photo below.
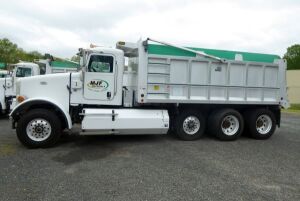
(294, 108)
(11, 53)
(293, 57)
(8, 51)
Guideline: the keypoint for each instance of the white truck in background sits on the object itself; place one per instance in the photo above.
(21, 70)
(166, 88)
(7, 89)
(4, 73)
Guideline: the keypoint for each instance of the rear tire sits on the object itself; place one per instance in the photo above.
(226, 124)
(189, 125)
(261, 123)
(39, 128)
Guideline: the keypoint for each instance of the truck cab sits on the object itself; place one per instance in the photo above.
(24, 70)
(101, 79)
(8, 91)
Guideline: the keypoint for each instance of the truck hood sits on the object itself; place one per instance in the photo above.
(52, 87)
(42, 77)
(2, 81)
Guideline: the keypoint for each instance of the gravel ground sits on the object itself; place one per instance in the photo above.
(153, 167)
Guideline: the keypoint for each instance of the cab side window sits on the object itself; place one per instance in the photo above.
(23, 72)
(101, 64)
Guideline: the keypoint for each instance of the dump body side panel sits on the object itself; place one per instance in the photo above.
(195, 79)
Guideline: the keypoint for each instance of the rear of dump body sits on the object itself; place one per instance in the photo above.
(168, 77)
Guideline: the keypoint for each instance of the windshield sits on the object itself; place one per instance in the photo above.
(23, 72)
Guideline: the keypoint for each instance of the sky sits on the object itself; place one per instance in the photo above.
(60, 27)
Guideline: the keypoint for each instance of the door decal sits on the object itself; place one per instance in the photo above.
(97, 85)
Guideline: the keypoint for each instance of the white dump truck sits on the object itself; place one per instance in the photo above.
(165, 87)
(21, 70)
(7, 89)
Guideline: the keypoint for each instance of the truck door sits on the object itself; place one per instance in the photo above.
(99, 78)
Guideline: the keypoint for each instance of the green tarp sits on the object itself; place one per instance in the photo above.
(2, 65)
(224, 54)
(64, 64)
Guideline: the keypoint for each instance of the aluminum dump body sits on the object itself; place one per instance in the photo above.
(172, 75)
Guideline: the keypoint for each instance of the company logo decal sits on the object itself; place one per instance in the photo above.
(98, 85)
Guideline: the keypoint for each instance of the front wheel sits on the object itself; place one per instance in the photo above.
(38, 128)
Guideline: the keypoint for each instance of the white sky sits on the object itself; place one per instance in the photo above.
(60, 27)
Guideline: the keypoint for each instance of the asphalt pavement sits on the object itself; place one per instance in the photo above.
(153, 167)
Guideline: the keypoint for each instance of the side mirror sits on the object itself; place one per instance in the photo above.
(81, 77)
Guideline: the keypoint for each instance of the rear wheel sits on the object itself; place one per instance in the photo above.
(189, 125)
(261, 123)
(226, 124)
(39, 128)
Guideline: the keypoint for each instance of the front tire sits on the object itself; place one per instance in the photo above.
(189, 125)
(39, 128)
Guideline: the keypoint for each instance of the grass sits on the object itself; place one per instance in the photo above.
(7, 149)
(295, 108)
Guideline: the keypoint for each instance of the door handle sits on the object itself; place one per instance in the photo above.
(108, 94)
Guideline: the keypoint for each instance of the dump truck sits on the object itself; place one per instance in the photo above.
(163, 88)
(25, 69)
(7, 91)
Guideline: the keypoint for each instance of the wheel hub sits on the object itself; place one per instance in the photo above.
(230, 125)
(226, 124)
(191, 125)
(38, 130)
(263, 124)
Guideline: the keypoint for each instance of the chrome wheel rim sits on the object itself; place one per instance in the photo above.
(191, 125)
(263, 124)
(230, 125)
(38, 130)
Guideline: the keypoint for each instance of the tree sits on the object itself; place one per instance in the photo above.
(11, 53)
(31, 56)
(293, 57)
(8, 51)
